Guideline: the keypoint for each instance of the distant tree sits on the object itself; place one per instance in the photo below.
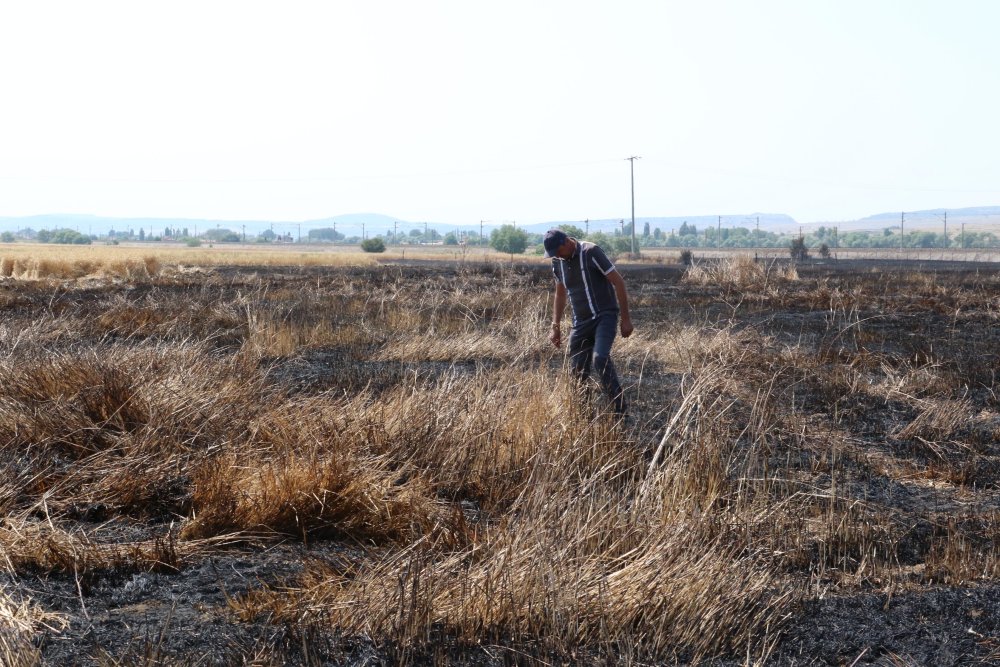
(572, 230)
(7, 237)
(221, 234)
(824, 251)
(612, 245)
(657, 234)
(645, 230)
(142, 234)
(325, 234)
(267, 235)
(623, 244)
(509, 239)
(923, 240)
(63, 236)
(798, 250)
(373, 245)
(606, 242)
(451, 238)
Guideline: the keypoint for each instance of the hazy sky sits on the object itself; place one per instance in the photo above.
(456, 111)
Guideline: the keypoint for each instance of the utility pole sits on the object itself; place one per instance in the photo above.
(631, 169)
(299, 225)
(244, 233)
(395, 229)
(363, 237)
(902, 217)
(946, 229)
(586, 225)
(480, 232)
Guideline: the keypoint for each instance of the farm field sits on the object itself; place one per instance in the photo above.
(283, 460)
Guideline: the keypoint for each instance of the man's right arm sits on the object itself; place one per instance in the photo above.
(555, 333)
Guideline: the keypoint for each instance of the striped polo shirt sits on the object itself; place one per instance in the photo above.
(584, 275)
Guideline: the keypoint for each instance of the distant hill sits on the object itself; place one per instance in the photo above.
(356, 219)
(933, 218)
(971, 212)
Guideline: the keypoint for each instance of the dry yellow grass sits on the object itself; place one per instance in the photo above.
(33, 261)
(742, 272)
(20, 623)
(36, 260)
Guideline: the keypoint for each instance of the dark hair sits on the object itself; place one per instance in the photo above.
(554, 238)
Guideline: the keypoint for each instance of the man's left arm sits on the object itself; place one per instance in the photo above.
(618, 283)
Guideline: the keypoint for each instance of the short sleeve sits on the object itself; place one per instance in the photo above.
(555, 271)
(598, 257)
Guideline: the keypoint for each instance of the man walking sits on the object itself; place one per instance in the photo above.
(598, 297)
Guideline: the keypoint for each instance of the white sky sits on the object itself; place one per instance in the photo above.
(456, 111)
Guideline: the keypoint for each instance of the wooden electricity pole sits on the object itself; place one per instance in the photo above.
(631, 169)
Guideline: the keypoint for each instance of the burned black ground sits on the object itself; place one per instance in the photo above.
(866, 360)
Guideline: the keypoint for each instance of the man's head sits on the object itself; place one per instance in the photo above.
(558, 244)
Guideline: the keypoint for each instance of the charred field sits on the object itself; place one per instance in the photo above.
(388, 464)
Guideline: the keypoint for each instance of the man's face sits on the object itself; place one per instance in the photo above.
(565, 251)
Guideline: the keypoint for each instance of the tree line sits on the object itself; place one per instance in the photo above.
(513, 240)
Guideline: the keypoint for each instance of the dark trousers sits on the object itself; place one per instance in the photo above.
(590, 345)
